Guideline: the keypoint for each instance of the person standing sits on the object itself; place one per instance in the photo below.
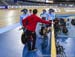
(51, 17)
(30, 11)
(44, 14)
(22, 16)
(43, 30)
(51, 14)
(30, 24)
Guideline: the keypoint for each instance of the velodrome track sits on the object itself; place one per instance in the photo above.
(10, 36)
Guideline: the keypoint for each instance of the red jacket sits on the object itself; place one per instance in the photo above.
(31, 21)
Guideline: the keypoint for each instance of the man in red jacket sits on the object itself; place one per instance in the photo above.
(30, 24)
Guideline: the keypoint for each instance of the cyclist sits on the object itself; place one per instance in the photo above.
(30, 24)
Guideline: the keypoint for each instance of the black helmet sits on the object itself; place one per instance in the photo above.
(43, 10)
(24, 10)
(51, 10)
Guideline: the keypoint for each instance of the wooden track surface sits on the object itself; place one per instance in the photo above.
(11, 16)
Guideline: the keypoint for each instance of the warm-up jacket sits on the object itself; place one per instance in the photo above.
(31, 21)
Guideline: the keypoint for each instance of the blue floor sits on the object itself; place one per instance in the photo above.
(68, 41)
(68, 45)
(11, 46)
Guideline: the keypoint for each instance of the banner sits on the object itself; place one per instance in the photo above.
(3, 7)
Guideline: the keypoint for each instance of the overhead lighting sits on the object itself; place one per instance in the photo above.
(47, 1)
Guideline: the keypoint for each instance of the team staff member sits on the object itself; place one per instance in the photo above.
(30, 24)
(24, 15)
(44, 14)
(30, 11)
(51, 14)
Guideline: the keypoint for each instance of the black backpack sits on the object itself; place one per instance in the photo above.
(24, 38)
(73, 22)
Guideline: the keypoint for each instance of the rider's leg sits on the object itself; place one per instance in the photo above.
(28, 33)
(34, 40)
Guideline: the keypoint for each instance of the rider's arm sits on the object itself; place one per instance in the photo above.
(43, 21)
(21, 18)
